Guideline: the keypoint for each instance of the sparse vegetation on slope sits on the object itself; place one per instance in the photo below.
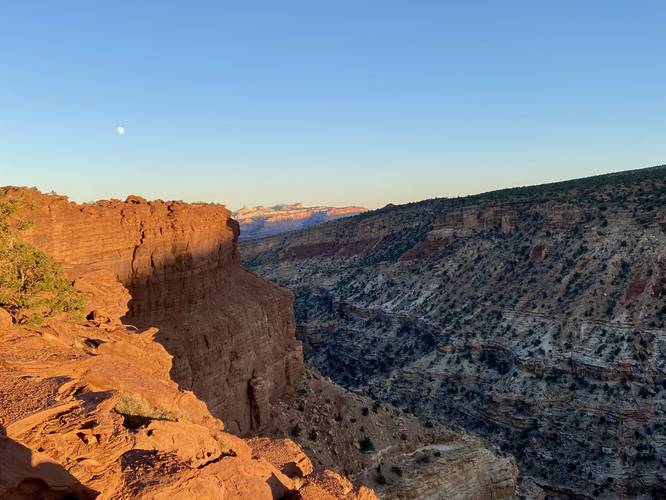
(532, 316)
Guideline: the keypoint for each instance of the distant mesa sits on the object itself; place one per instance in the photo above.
(261, 222)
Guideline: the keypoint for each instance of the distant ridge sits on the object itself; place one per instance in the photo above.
(497, 195)
(260, 221)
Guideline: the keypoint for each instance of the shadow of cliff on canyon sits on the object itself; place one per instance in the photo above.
(25, 475)
(231, 333)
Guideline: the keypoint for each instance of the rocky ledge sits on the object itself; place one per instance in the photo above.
(89, 410)
(231, 333)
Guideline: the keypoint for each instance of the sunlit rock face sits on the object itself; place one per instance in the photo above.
(230, 332)
(260, 222)
(89, 410)
(96, 408)
(534, 317)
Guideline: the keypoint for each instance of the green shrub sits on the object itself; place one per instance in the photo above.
(32, 286)
(396, 470)
(366, 445)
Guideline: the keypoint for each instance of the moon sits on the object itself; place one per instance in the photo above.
(120, 130)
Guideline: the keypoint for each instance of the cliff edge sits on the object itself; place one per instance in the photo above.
(231, 333)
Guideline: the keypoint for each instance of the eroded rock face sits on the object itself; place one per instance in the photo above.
(88, 410)
(534, 317)
(231, 333)
(458, 470)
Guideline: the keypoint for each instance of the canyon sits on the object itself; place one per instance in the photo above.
(260, 222)
(184, 378)
(532, 317)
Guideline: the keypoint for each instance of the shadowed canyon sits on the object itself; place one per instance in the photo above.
(533, 317)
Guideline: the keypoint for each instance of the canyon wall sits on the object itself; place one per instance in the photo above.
(230, 332)
(391, 451)
(534, 317)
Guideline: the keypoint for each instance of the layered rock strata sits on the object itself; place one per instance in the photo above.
(230, 339)
(534, 317)
(391, 451)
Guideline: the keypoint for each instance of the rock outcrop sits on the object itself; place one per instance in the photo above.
(534, 317)
(230, 332)
(88, 410)
(260, 222)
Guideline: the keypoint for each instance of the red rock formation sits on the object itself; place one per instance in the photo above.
(232, 338)
(88, 409)
(231, 333)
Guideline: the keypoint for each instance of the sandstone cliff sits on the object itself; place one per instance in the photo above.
(231, 333)
(534, 317)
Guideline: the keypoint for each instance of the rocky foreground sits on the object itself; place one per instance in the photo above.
(534, 317)
(90, 409)
(184, 378)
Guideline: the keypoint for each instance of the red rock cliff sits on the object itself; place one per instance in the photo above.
(230, 332)
(88, 410)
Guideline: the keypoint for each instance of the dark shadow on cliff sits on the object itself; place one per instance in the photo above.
(25, 475)
(227, 329)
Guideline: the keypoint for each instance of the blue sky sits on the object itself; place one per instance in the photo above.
(344, 102)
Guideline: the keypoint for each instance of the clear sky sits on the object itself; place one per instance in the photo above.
(326, 102)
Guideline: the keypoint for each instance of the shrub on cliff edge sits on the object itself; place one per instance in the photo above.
(32, 286)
